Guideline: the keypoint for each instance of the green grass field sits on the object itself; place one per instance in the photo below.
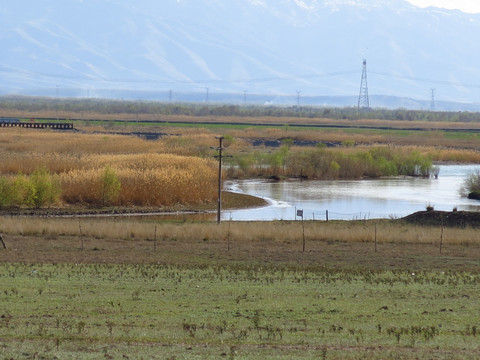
(91, 311)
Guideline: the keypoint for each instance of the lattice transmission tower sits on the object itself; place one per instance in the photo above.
(363, 102)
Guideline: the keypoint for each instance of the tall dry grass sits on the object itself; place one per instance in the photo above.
(39, 143)
(146, 180)
(151, 173)
(255, 233)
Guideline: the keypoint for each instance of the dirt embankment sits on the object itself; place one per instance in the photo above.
(230, 201)
(445, 218)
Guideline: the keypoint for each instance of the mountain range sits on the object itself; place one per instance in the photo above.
(263, 51)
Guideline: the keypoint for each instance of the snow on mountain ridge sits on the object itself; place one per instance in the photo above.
(311, 46)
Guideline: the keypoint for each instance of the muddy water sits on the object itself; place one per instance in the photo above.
(355, 199)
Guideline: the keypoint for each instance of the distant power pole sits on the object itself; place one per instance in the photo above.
(56, 102)
(220, 156)
(432, 101)
(170, 96)
(298, 98)
(207, 95)
(363, 102)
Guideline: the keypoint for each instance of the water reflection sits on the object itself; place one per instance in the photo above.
(358, 199)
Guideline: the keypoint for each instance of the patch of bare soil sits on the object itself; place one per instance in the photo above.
(42, 249)
(445, 218)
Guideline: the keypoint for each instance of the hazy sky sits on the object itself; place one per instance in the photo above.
(471, 6)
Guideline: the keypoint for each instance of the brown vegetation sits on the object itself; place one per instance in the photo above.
(179, 168)
(334, 244)
(146, 172)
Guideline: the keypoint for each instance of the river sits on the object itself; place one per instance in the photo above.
(355, 199)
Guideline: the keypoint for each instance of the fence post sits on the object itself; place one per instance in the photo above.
(155, 239)
(375, 237)
(81, 234)
(441, 238)
(228, 234)
(3, 242)
(303, 230)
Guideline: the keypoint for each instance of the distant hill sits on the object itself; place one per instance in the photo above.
(258, 51)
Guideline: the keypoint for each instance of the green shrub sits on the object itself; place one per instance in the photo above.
(471, 184)
(23, 191)
(278, 159)
(110, 187)
(5, 192)
(47, 187)
(348, 143)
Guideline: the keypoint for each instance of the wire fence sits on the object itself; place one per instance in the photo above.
(326, 215)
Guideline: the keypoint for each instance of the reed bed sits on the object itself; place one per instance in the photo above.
(39, 143)
(145, 173)
(436, 154)
(48, 142)
(146, 180)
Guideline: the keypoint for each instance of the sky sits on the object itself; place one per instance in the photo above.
(469, 6)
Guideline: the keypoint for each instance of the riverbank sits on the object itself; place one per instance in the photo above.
(230, 201)
(445, 218)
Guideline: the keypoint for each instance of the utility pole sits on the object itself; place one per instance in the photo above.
(220, 156)
(363, 102)
(56, 102)
(298, 98)
(207, 95)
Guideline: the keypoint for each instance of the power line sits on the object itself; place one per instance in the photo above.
(252, 80)
(432, 81)
(169, 81)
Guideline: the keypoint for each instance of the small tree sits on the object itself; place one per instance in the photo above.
(109, 187)
(47, 187)
(278, 158)
(23, 191)
(471, 184)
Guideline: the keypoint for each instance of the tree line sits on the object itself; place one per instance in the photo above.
(136, 107)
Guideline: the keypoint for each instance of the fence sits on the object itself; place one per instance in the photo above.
(327, 215)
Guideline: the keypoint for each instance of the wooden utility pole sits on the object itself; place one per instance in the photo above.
(220, 156)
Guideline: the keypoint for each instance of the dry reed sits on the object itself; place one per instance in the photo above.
(283, 233)
(146, 180)
(149, 174)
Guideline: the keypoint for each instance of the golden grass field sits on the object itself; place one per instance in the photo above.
(149, 175)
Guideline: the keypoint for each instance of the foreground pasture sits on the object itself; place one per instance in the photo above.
(124, 295)
(87, 311)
